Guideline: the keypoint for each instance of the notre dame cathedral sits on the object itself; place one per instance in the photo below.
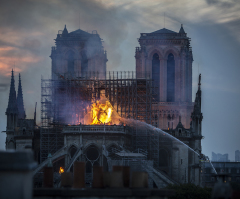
(79, 59)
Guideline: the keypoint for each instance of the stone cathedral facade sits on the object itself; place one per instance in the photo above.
(167, 57)
(164, 55)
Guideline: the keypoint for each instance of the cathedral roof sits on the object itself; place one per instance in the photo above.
(79, 32)
(163, 31)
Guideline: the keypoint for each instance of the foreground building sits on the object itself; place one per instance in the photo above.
(230, 169)
(158, 93)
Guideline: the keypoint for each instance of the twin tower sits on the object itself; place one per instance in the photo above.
(164, 55)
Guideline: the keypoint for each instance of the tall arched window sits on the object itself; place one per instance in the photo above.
(84, 64)
(170, 78)
(70, 62)
(156, 75)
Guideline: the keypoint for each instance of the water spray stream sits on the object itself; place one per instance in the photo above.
(132, 122)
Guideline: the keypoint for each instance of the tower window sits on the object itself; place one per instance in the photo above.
(84, 64)
(70, 62)
(156, 75)
(170, 78)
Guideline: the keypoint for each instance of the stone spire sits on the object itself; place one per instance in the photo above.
(65, 31)
(198, 95)
(197, 112)
(21, 111)
(12, 101)
(181, 31)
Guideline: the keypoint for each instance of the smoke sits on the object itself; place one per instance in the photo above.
(3, 87)
(28, 29)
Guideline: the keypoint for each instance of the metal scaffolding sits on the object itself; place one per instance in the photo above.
(65, 100)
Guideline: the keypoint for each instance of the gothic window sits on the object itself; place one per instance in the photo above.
(170, 78)
(70, 62)
(72, 151)
(156, 75)
(84, 64)
(92, 156)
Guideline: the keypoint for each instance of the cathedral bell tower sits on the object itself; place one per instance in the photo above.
(78, 54)
(166, 56)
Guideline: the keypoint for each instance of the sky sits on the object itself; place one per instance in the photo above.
(28, 29)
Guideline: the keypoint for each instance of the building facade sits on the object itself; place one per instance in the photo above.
(217, 157)
(166, 57)
(230, 169)
(21, 133)
(78, 54)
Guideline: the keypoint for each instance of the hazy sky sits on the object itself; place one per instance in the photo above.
(28, 29)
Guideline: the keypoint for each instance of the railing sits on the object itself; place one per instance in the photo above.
(94, 129)
(176, 103)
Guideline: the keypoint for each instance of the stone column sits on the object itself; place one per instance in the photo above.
(148, 67)
(183, 75)
(190, 80)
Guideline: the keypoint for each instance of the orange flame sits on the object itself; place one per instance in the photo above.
(61, 170)
(101, 112)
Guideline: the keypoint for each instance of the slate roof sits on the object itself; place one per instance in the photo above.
(163, 30)
(80, 32)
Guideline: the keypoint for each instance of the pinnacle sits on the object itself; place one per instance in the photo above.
(20, 105)
(12, 101)
(181, 30)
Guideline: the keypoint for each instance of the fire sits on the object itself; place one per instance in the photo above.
(101, 112)
(61, 170)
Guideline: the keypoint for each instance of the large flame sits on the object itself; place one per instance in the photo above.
(61, 170)
(101, 112)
